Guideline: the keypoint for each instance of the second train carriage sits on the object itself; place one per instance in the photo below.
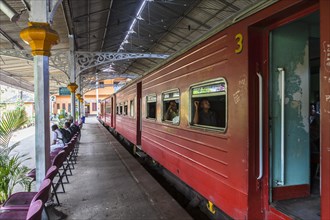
(253, 157)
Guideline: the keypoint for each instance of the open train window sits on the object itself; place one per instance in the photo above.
(117, 110)
(125, 108)
(171, 106)
(151, 106)
(121, 108)
(131, 108)
(209, 104)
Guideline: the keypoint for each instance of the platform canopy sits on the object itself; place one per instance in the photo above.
(105, 29)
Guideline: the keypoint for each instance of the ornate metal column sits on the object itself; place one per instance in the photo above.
(78, 95)
(72, 87)
(72, 73)
(97, 93)
(41, 38)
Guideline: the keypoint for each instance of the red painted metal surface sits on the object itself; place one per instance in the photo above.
(223, 167)
(126, 125)
(281, 13)
(274, 214)
(107, 110)
(102, 111)
(212, 163)
(325, 107)
(291, 192)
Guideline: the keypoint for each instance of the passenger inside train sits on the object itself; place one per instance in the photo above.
(209, 105)
(171, 107)
(172, 111)
(203, 115)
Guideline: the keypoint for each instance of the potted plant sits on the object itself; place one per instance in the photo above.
(12, 170)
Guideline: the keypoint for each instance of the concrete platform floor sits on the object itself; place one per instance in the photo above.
(108, 183)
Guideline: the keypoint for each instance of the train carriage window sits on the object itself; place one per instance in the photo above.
(107, 108)
(125, 108)
(121, 108)
(117, 110)
(131, 110)
(151, 106)
(171, 106)
(209, 105)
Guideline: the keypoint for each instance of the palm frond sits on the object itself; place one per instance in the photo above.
(9, 123)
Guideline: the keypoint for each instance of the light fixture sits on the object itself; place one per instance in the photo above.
(131, 32)
(137, 17)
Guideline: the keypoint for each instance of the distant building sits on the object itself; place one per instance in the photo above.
(106, 88)
(11, 98)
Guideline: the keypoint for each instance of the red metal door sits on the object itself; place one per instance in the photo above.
(325, 107)
(256, 130)
(113, 112)
(138, 112)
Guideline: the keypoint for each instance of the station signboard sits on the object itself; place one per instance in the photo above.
(63, 91)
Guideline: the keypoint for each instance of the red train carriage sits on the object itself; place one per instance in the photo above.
(231, 116)
(102, 111)
(108, 114)
(128, 112)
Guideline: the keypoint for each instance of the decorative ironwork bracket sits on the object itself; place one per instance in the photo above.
(58, 59)
(86, 60)
(83, 60)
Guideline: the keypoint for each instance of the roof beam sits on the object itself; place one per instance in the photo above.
(8, 80)
(92, 13)
(11, 40)
(185, 16)
(106, 25)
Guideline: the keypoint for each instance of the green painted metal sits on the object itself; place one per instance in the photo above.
(63, 91)
(289, 50)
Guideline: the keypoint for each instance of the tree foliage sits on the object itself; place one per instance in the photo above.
(12, 170)
(10, 122)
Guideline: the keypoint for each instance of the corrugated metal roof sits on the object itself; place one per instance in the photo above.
(163, 26)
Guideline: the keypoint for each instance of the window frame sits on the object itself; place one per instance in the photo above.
(120, 108)
(162, 105)
(107, 107)
(125, 104)
(146, 97)
(94, 106)
(206, 83)
(132, 101)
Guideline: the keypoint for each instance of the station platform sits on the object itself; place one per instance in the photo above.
(108, 183)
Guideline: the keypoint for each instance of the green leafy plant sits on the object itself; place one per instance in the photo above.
(10, 122)
(12, 170)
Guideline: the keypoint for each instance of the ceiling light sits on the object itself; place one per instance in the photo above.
(139, 18)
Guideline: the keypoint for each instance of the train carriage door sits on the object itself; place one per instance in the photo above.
(138, 112)
(293, 108)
